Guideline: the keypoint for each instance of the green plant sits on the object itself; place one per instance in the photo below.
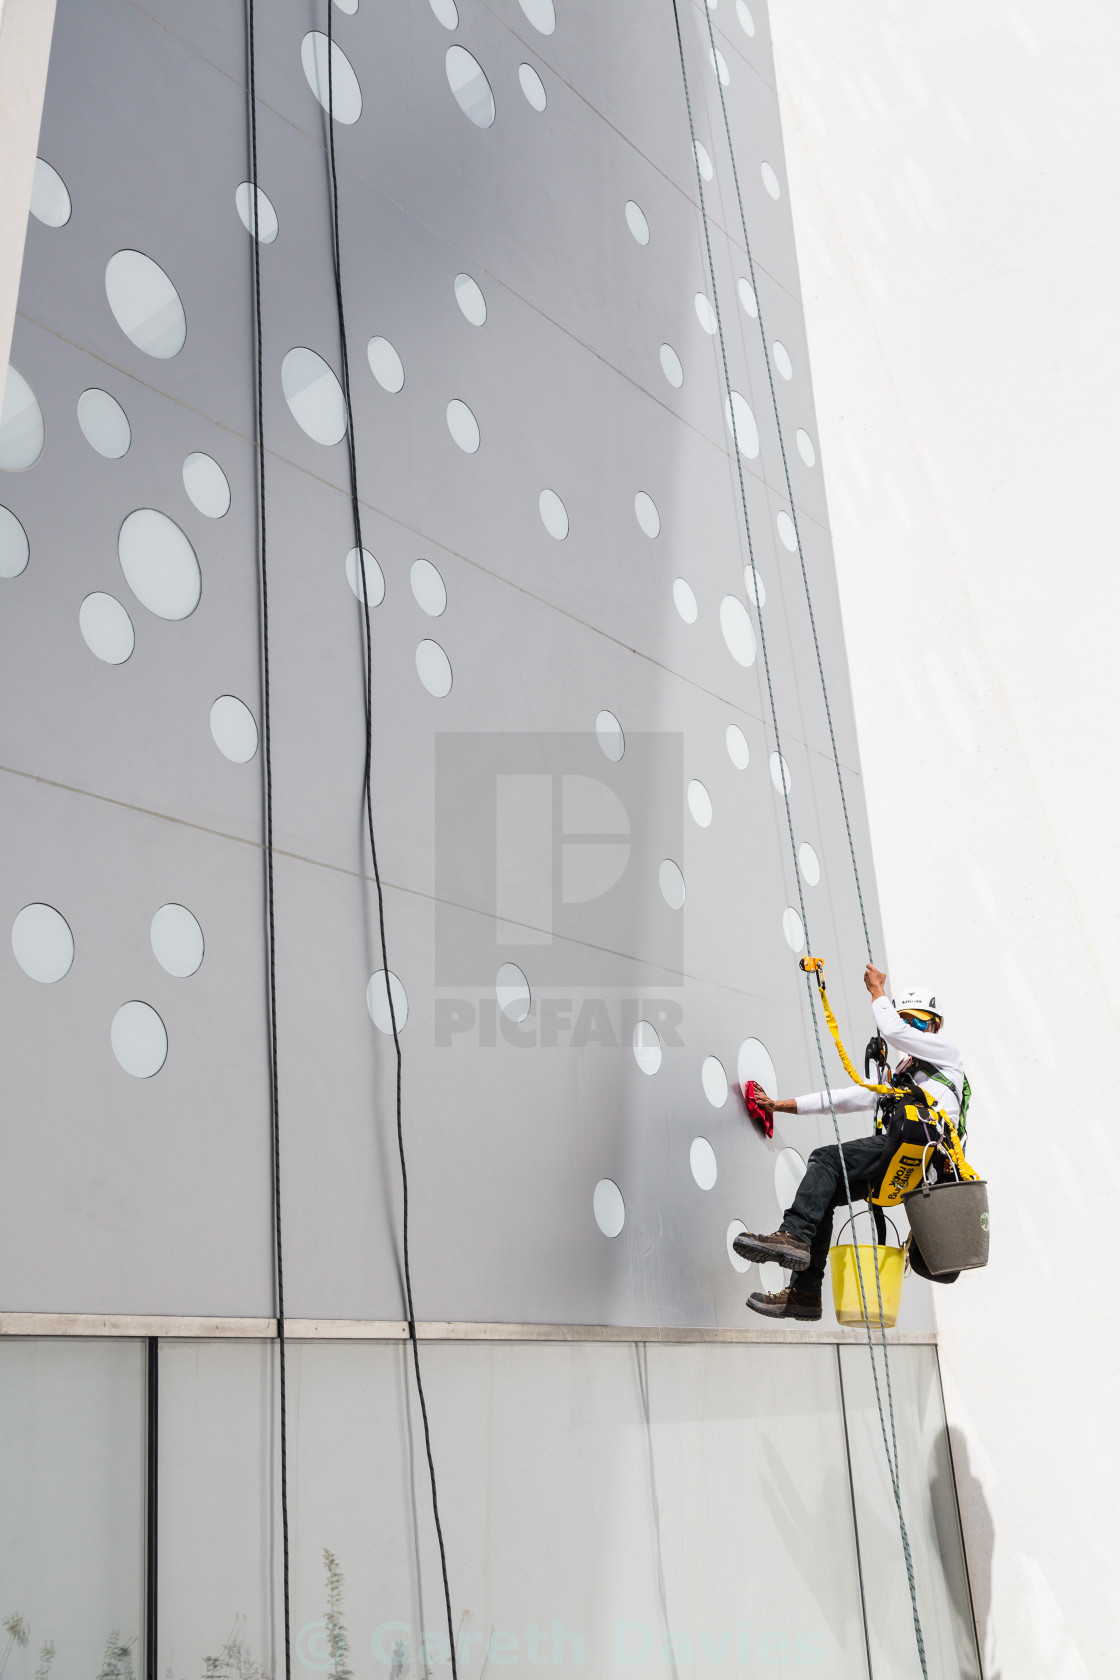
(46, 1660)
(337, 1642)
(234, 1661)
(116, 1664)
(18, 1631)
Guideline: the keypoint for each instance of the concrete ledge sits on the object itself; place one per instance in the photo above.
(395, 1330)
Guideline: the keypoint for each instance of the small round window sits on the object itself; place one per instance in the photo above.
(468, 83)
(145, 305)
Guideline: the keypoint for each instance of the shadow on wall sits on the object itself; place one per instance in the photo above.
(979, 1534)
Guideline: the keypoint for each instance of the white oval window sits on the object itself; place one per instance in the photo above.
(434, 669)
(145, 305)
(512, 991)
(15, 550)
(50, 201)
(104, 424)
(106, 628)
(22, 431)
(428, 588)
(532, 87)
(755, 1063)
(159, 564)
(810, 864)
(702, 1163)
(608, 733)
(636, 222)
(608, 1207)
(541, 14)
(206, 485)
(671, 366)
(705, 314)
(554, 515)
(700, 804)
(234, 729)
(794, 929)
(736, 1229)
(177, 940)
(42, 943)
(467, 81)
(684, 599)
(385, 365)
(374, 576)
(714, 1081)
(647, 1047)
(463, 426)
(378, 994)
(645, 511)
(468, 295)
(738, 631)
(314, 395)
(263, 217)
(139, 1039)
(333, 80)
(737, 749)
(745, 428)
(671, 882)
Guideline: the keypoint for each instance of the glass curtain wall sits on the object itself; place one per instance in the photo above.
(72, 1480)
(606, 1506)
(929, 1504)
(634, 1509)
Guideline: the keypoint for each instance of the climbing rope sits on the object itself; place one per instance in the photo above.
(789, 494)
(269, 860)
(367, 798)
(892, 1460)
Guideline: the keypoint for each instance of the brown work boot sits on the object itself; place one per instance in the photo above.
(783, 1247)
(787, 1303)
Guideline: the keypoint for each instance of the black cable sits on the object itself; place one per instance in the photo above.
(151, 1514)
(367, 796)
(269, 861)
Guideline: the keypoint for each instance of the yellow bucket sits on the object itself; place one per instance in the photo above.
(845, 1282)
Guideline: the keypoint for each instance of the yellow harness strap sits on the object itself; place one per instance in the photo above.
(815, 965)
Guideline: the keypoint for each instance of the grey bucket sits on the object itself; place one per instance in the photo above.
(950, 1224)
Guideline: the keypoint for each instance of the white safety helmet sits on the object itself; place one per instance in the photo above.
(916, 1000)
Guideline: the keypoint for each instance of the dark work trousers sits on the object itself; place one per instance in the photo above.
(820, 1192)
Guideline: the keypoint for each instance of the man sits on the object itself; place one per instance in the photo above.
(803, 1239)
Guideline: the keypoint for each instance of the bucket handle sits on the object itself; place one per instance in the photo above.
(925, 1186)
(853, 1216)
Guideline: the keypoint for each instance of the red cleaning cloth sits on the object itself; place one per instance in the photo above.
(766, 1121)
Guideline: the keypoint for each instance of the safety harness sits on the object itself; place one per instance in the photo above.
(917, 1136)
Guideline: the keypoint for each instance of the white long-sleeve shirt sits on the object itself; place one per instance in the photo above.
(930, 1047)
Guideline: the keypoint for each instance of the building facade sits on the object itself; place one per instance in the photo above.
(572, 487)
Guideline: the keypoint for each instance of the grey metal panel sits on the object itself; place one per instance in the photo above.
(145, 119)
(145, 1194)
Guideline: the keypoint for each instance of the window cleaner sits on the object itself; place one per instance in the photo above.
(920, 1115)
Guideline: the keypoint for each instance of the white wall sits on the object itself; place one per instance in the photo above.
(952, 175)
(25, 44)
